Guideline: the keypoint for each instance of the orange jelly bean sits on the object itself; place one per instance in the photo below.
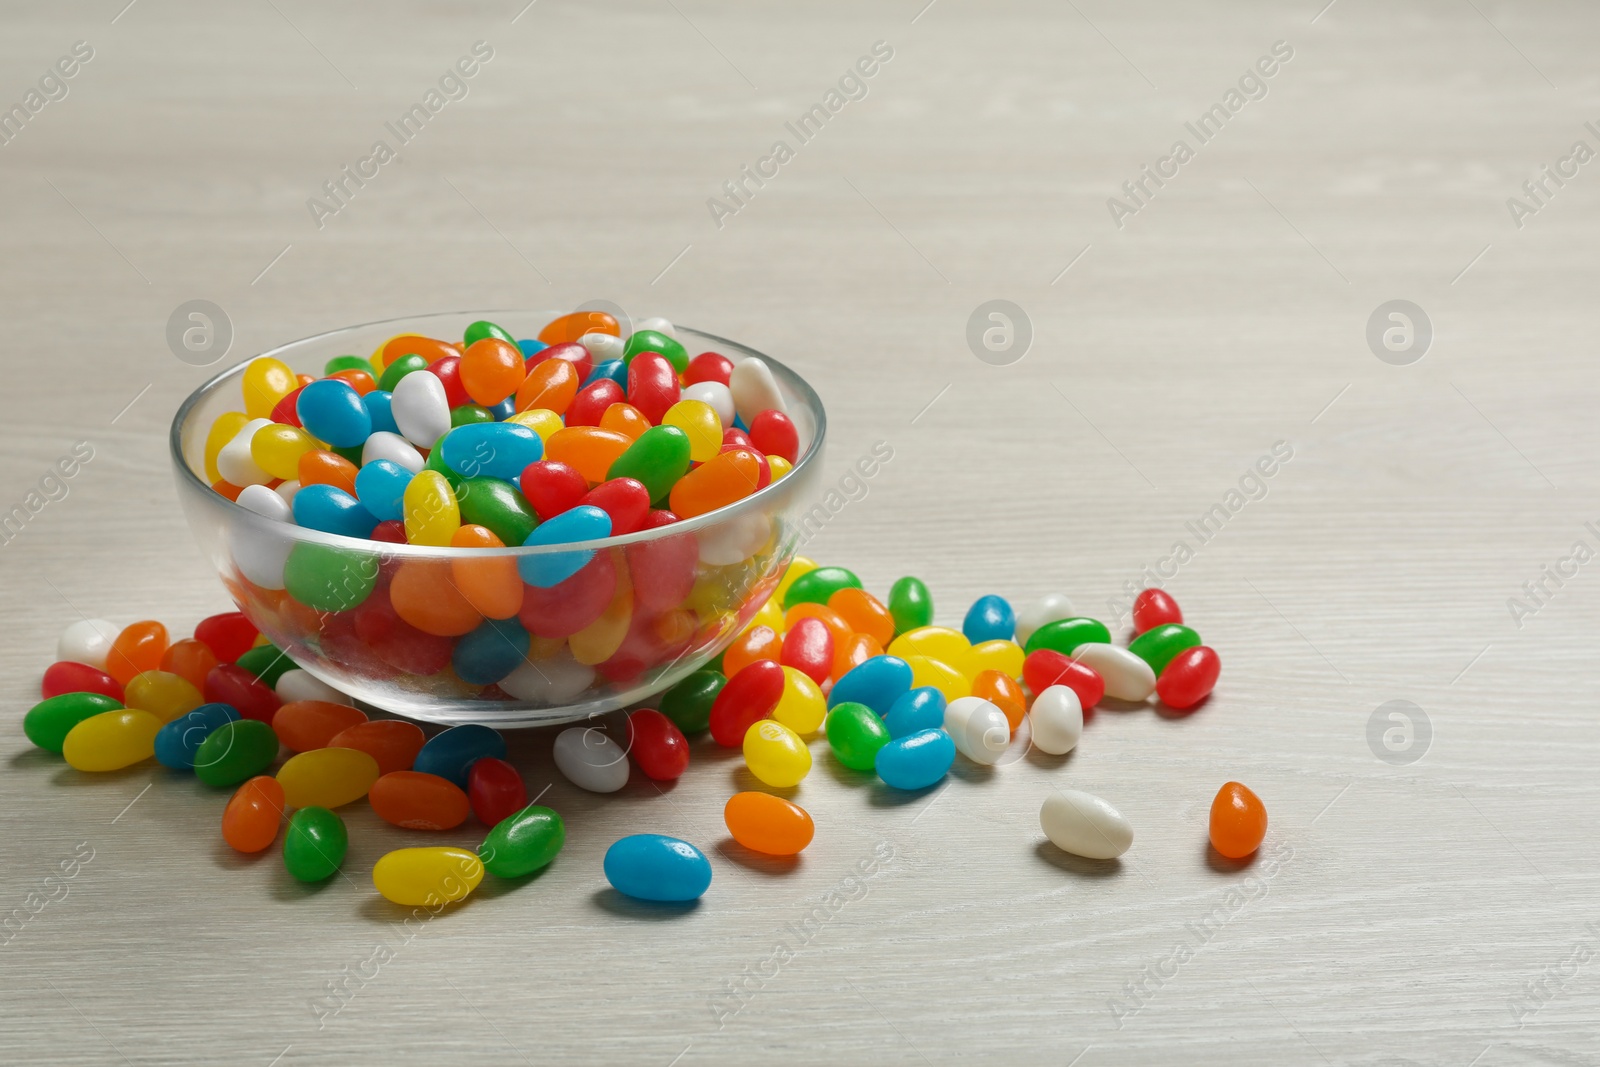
(719, 481)
(1238, 821)
(419, 801)
(856, 650)
(408, 344)
(394, 743)
(303, 725)
(359, 380)
(571, 327)
(490, 585)
(589, 450)
(250, 821)
(318, 467)
(1002, 690)
(551, 385)
(865, 613)
(190, 660)
(762, 822)
(424, 594)
(137, 649)
(841, 630)
(227, 489)
(758, 642)
(491, 370)
(626, 420)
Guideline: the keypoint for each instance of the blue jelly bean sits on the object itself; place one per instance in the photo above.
(177, 741)
(377, 405)
(917, 760)
(381, 488)
(492, 651)
(505, 409)
(582, 523)
(332, 510)
(877, 683)
(920, 709)
(653, 867)
(491, 449)
(614, 369)
(530, 348)
(989, 619)
(738, 424)
(452, 753)
(331, 410)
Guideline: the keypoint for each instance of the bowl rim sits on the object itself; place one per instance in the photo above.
(739, 508)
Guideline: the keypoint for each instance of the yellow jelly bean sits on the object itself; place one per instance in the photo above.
(112, 740)
(797, 566)
(775, 754)
(432, 514)
(770, 614)
(943, 677)
(802, 707)
(266, 381)
(163, 694)
(541, 421)
(699, 421)
(224, 429)
(1003, 656)
(277, 449)
(939, 642)
(427, 876)
(600, 640)
(327, 777)
(780, 467)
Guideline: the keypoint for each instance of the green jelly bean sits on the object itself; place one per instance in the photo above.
(522, 843)
(910, 604)
(658, 459)
(435, 462)
(1065, 635)
(652, 341)
(315, 844)
(466, 415)
(499, 506)
(399, 369)
(339, 363)
(815, 587)
(235, 752)
(1160, 645)
(483, 328)
(326, 578)
(49, 721)
(855, 733)
(349, 452)
(688, 704)
(266, 662)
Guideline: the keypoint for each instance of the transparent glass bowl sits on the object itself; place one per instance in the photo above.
(645, 610)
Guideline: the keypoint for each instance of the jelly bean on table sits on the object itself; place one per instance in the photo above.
(496, 790)
(1238, 821)
(764, 823)
(658, 868)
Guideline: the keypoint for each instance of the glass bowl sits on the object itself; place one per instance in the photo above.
(643, 610)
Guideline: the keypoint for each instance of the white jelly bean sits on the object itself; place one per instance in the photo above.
(392, 447)
(420, 408)
(979, 729)
(754, 389)
(87, 641)
(717, 395)
(1127, 676)
(603, 347)
(658, 324)
(1048, 608)
(735, 539)
(267, 502)
(551, 682)
(235, 463)
(260, 554)
(1056, 719)
(1084, 825)
(287, 490)
(297, 684)
(591, 760)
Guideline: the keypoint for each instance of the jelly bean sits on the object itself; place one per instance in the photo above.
(490, 584)
(189, 659)
(1066, 635)
(809, 646)
(326, 578)
(452, 753)
(304, 725)
(229, 635)
(342, 363)
(111, 740)
(1006, 657)
(626, 500)
(448, 371)
(330, 510)
(235, 751)
(652, 385)
(708, 367)
(162, 694)
(223, 430)
(471, 415)
(593, 401)
(523, 842)
(315, 844)
(856, 650)
(1056, 719)
(296, 684)
(1238, 821)
(573, 603)
(925, 670)
(1004, 693)
(490, 652)
(138, 648)
(716, 396)
(250, 821)
(420, 409)
(936, 642)
(688, 703)
(611, 370)
(979, 729)
(326, 468)
(1046, 667)
(552, 385)
(491, 369)
(818, 586)
(432, 515)
(781, 467)
(989, 619)
(571, 327)
(1160, 644)
(603, 347)
(856, 733)
(497, 506)
(236, 461)
(658, 324)
(231, 684)
(748, 697)
(333, 411)
(718, 482)
(551, 488)
(625, 419)
(864, 613)
(657, 746)
(78, 678)
(916, 760)
(380, 409)
(410, 344)
(417, 801)
(754, 390)
(700, 424)
(592, 452)
(654, 867)
(775, 754)
(836, 624)
(394, 743)
(1047, 609)
(400, 369)
(581, 523)
(591, 760)
(763, 468)
(550, 682)
(669, 349)
(265, 382)
(767, 824)
(756, 643)
(496, 450)
(910, 604)
(496, 791)
(277, 449)
(483, 328)
(877, 683)
(48, 722)
(1084, 825)
(539, 420)
(1152, 608)
(424, 594)
(802, 707)
(769, 614)
(916, 710)
(774, 433)
(1189, 678)
(87, 641)
(390, 446)
(381, 488)
(1127, 677)
(327, 777)
(267, 663)
(659, 459)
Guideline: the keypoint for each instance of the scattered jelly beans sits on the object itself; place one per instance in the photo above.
(452, 753)
(178, 741)
(654, 867)
(657, 746)
(523, 842)
(48, 722)
(314, 845)
(916, 760)
(1189, 678)
(989, 619)
(1127, 677)
(427, 876)
(111, 740)
(1238, 821)
(1084, 825)
(978, 728)
(234, 752)
(764, 823)
(1154, 607)
(856, 733)
(327, 777)
(775, 754)
(1057, 720)
(591, 760)
(250, 821)
(496, 790)
(418, 801)
(1161, 644)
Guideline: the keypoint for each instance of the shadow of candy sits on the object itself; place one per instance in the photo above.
(623, 906)
(757, 862)
(1078, 865)
(1223, 865)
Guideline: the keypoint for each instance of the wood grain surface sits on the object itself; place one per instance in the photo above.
(1436, 911)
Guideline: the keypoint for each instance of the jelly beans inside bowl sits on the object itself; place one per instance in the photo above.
(526, 634)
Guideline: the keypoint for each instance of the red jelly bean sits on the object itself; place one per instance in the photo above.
(748, 698)
(392, 531)
(774, 434)
(708, 367)
(626, 500)
(657, 746)
(495, 789)
(398, 643)
(568, 606)
(733, 437)
(448, 370)
(1045, 667)
(284, 410)
(1189, 678)
(230, 635)
(229, 683)
(652, 385)
(592, 401)
(663, 570)
(552, 487)
(69, 677)
(572, 352)
(1154, 607)
(809, 646)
